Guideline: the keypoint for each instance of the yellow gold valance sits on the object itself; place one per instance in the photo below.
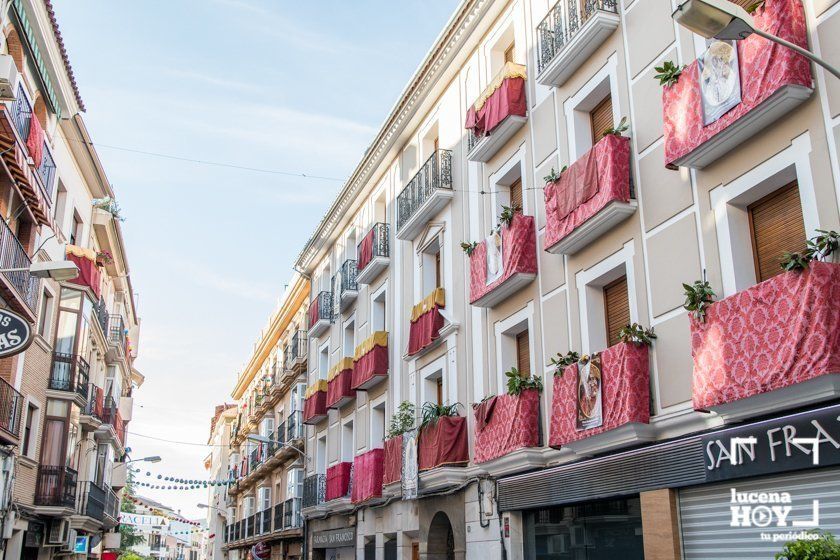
(379, 338)
(437, 297)
(343, 363)
(320, 385)
(509, 70)
(81, 252)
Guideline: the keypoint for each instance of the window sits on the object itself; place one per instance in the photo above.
(76, 230)
(378, 312)
(347, 442)
(321, 455)
(601, 118)
(431, 266)
(324, 361)
(516, 195)
(523, 353)
(509, 52)
(616, 308)
(29, 430)
(294, 483)
(264, 494)
(377, 424)
(776, 227)
(349, 338)
(45, 314)
(438, 275)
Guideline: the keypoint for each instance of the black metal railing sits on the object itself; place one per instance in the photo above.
(472, 141)
(237, 530)
(101, 315)
(112, 505)
(562, 23)
(324, 303)
(11, 408)
(13, 255)
(69, 373)
(436, 173)
(314, 490)
(116, 331)
(56, 486)
(381, 246)
(296, 350)
(251, 525)
(21, 111)
(253, 459)
(280, 436)
(291, 513)
(265, 521)
(348, 277)
(294, 426)
(92, 500)
(46, 170)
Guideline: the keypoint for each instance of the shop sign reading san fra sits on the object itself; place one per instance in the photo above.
(15, 333)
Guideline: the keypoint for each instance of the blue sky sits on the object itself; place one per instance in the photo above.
(290, 86)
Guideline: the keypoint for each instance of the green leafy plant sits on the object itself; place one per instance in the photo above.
(432, 411)
(506, 217)
(824, 244)
(668, 74)
(104, 258)
(554, 176)
(637, 334)
(518, 381)
(698, 296)
(795, 261)
(752, 8)
(129, 535)
(623, 126)
(469, 247)
(561, 362)
(109, 205)
(822, 546)
(402, 420)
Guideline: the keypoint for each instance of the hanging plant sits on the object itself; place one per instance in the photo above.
(637, 334)
(698, 296)
(561, 362)
(109, 205)
(623, 126)
(554, 176)
(469, 247)
(668, 74)
(519, 381)
(402, 420)
(818, 248)
(431, 412)
(104, 258)
(795, 261)
(506, 217)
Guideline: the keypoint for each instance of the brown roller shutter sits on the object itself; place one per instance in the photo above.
(523, 353)
(602, 118)
(777, 228)
(744, 3)
(617, 308)
(516, 194)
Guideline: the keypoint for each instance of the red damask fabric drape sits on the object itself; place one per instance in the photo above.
(338, 481)
(366, 250)
(443, 443)
(783, 331)
(625, 393)
(313, 312)
(392, 460)
(425, 330)
(89, 273)
(339, 388)
(315, 406)
(507, 100)
(513, 425)
(519, 256)
(35, 141)
(371, 364)
(367, 476)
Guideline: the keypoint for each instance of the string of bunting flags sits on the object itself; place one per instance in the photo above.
(159, 513)
(179, 483)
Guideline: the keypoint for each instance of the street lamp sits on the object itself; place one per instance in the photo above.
(263, 439)
(57, 270)
(207, 506)
(152, 459)
(724, 20)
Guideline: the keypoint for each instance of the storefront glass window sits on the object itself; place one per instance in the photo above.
(592, 531)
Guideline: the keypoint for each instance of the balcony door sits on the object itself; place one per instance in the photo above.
(776, 228)
(71, 336)
(601, 118)
(616, 308)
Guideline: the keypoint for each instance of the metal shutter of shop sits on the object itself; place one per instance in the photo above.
(617, 308)
(705, 514)
(523, 353)
(777, 227)
(602, 118)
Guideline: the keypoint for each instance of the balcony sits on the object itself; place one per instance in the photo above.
(339, 382)
(11, 409)
(374, 253)
(69, 374)
(349, 287)
(291, 514)
(294, 426)
(339, 481)
(20, 289)
(56, 487)
(315, 403)
(427, 322)
(370, 362)
(94, 411)
(498, 113)
(320, 314)
(623, 374)
(591, 197)
(314, 490)
(101, 311)
(117, 334)
(691, 141)
(367, 473)
(425, 195)
(296, 353)
(570, 34)
(92, 501)
(509, 267)
(263, 521)
(113, 425)
(505, 426)
(771, 347)
(90, 275)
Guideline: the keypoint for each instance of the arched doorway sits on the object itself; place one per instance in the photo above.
(441, 543)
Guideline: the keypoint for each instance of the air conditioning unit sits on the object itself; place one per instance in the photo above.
(8, 78)
(58, 533)
(70, 544)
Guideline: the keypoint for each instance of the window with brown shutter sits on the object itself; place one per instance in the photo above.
(523, 353)
(516, 195)
(602, 118)
(617, 308)
(743, 3)
(439, 387)
(776, 228)
(509, 53)
(438, 272)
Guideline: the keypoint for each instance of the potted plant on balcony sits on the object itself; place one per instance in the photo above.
(668, 73)
(635, 333)
(554, 176)
(431, 412)
(617, 130)
(561, 362)
(823, 247)
(104, 258)
(401, 421)
(469, 247)
(518, 381)
(698, 297)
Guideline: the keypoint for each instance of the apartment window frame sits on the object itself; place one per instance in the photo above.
(46, 313)
(578, 107)
(349, 325)
(321, 452)
(378, 422)
(430, 375)
(505, 332)
(379, 309)
(347, 447)
(513, 170)
(323, 361)
(31, 427)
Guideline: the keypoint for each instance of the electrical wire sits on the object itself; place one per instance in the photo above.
(178, 442)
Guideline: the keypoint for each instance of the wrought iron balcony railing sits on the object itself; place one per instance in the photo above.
(323, 303)
(116, 331)
(314, 490)
(381, 246)
(95, 405)
(296, 350)
(112, 416)
(348, 277)
(56, 486)
(91, 500)
(291, 513)
(265, 521)
(22, 113)
(436, 173)
(562, 23)
(13, 255)
(69, 373)
(294, 426)
(11, 408)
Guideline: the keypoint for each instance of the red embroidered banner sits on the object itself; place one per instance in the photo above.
(765, 67)
(507, 100)
(366, 250)
(625, 391)
(35, 141)
(600, 176)
(338, 481)
(315, 407)
(313, 311)
(371, 364)
(425, 330)
(783, 331)
(392, 460)
(367, 476)
(443, 443)
(339, 388)
(514, 424)
(89, 273)
(519, 256)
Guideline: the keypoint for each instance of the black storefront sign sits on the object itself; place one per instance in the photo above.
(774, 446)
(335, 538)
(15, 334)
